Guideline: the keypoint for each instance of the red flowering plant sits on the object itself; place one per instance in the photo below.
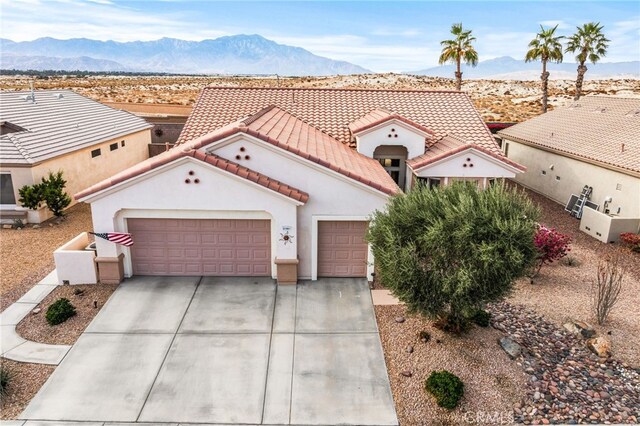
(631, 240)
(551, 245)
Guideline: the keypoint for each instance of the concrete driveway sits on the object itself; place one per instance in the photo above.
(225, 351)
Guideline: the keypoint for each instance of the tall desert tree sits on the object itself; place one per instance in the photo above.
(458, 50)
(589, 44)
(545, 47)
(445, 252)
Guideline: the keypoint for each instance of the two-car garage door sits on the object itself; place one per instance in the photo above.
(233, 247)
(219, 247)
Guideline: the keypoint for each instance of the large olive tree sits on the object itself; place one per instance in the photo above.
(445, 252)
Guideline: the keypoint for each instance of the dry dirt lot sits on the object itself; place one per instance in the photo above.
(497, 100)
(27, 254)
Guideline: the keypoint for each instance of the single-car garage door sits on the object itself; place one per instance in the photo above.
(200, 247)
(342, 249)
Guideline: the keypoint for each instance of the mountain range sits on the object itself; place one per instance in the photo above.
(508, 68)
(238, 54)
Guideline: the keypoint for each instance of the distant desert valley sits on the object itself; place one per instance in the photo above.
(496, 100)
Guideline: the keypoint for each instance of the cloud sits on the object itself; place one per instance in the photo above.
(562, 25)
(409, 32)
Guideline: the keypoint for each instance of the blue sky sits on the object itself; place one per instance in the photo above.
(380, 35)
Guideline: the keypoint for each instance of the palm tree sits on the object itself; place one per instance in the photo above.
(459, 49)
(545, 47)
(591, 45)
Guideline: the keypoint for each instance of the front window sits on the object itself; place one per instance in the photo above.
(6, 189)
(393, 167)
(430, 182)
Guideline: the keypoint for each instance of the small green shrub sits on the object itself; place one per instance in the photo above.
(446, 387)
(481, 318)
(5, 379)
(570, 261)
(60, 311)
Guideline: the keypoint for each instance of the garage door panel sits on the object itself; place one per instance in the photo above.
(201, 247)
(342, 249)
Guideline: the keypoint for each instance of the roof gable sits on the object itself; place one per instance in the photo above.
(377, 118)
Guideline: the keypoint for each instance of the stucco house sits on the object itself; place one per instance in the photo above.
(49, 130)
(282, 182)
(593, 142)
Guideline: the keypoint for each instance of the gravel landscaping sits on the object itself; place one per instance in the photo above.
(563, 292)
(35, 327)
(566, 384)
(27, 254)
(26, 381)
(493, 384)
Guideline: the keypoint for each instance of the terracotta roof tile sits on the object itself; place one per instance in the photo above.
(214, 160)
(332, 110)
(601, 129)
(379, 116)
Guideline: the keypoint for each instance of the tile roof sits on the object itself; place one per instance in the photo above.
(379, 116)
(450, 145)
(604, 130)
(212, 159)
(59, 122)
(332, 110)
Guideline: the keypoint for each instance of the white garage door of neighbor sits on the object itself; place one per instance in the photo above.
(216, 247)
(342, 249)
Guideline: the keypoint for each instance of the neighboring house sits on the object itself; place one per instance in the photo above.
(167, 119)
(282, 182)
(594, 142)
(49, 130)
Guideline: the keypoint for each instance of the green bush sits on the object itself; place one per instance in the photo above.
(60, 311)
(5, 378)
(49, 191)
(481, 318)
(446, 387)
(446, 252)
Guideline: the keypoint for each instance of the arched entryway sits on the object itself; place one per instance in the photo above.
(393, 158)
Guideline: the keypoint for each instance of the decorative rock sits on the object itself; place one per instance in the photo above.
(36, 226)
(7, 226)
(510, 347)
(600, 346)
(36, 311)
(399, 320)
(580, 328)
(407, 373)
(410, 349)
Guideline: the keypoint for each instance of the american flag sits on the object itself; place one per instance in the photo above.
(115, 237)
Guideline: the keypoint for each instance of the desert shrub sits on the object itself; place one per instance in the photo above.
(606, 289)
(5, 379)
(31, 196)
(446, 252)
(481, 318)
(49, 191)
(54, 195)
(551, 245)
(570, 261)
(631, 240)
(446, 387)
(60, 311)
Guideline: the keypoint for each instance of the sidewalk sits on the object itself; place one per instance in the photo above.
(14, 347)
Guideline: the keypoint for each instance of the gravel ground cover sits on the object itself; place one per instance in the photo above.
(493, 383)
(566, 384)
(563, 292)
(26, 381)
(27, 254)
(35, 327)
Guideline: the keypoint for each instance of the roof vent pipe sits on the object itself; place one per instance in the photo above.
(33, 95)
(622, 148)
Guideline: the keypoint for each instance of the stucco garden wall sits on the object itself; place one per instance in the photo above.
(574, 174)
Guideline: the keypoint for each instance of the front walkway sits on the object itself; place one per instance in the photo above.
(14, 347)
(225, 351)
